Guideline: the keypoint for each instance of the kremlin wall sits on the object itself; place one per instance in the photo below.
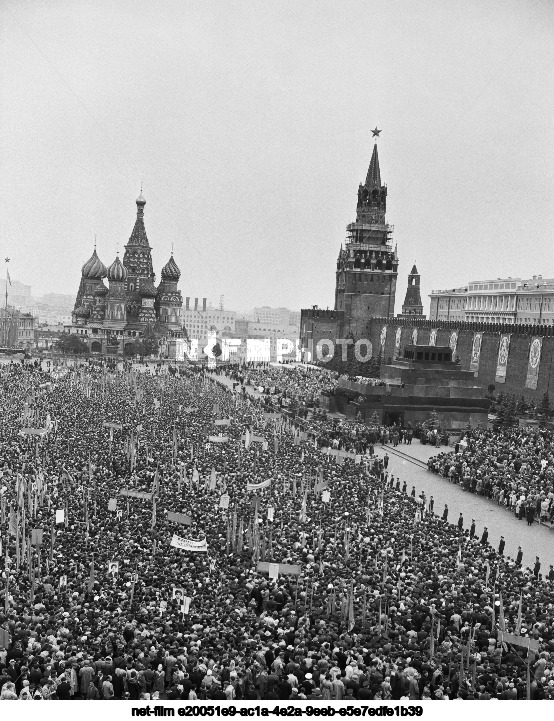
(523, 372)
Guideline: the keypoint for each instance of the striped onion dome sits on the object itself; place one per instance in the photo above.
(117, 271)
(171, 271)
(94, 269)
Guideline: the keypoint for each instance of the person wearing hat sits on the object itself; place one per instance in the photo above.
(485, 537)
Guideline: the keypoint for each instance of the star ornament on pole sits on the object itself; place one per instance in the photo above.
(7, 260)
(376, 132)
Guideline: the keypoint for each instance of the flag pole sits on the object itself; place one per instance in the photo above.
(6, 307)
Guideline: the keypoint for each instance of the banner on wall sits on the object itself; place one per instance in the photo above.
(433, 337)
(383, 340)
(476, 352)
(397, 339)
(453, 343)
(502, 361)
(414, 336)
(534, 363)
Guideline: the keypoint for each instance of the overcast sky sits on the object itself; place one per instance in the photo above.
(248, 124)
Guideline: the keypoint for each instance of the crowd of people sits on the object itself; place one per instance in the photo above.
(166, 536)
(285, 383)
(514, 467)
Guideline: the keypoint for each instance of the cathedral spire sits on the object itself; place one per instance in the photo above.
(373, 178)
(138, 236)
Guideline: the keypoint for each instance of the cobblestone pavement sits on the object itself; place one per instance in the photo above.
(535, 540)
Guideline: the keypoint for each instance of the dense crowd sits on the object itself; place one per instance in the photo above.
(515, 467)
(286, 383)
(379, 599)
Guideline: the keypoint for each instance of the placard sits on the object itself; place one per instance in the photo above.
(257, 486)
(179, 518)
(141, 495)
(286, 569)
(187, 544)
(36, 538)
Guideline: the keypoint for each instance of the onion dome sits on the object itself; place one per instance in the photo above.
(148, 289)
(141, 201)
(117, 271)
(94, 269)
(102, 290)
(171, 271)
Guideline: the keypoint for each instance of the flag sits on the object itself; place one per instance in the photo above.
(240, 539)
(6, 599)
(487, 573)
(346, 544)
(91, 578)
(12, 523)
(351, 619)
(519, 615)
(432, 647)
(213, 480)
(501, 622)
(460, 556)
(303, 510)
(234, 530)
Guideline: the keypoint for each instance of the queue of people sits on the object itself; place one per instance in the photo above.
(514, 467)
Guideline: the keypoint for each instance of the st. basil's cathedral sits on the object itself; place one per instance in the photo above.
(110, 318)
